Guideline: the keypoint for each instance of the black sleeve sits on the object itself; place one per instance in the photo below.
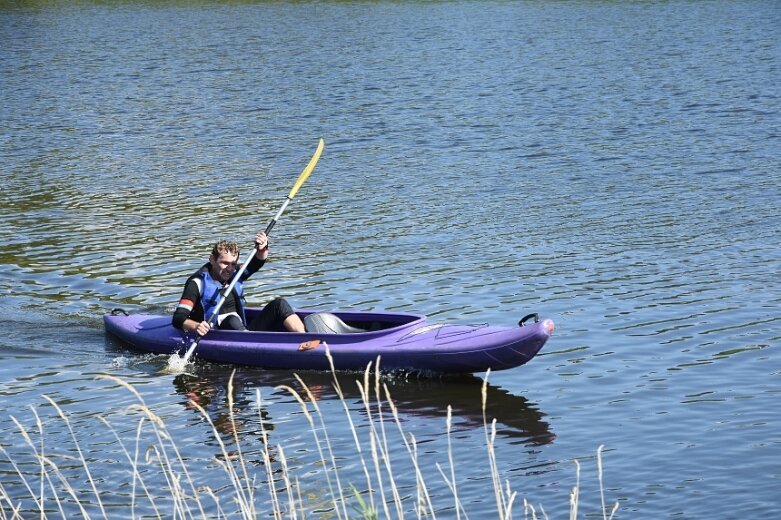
(189, 305)
(254, 266)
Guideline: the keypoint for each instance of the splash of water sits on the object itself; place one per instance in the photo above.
(177, 364)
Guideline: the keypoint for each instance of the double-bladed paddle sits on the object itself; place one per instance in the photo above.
(226, 291)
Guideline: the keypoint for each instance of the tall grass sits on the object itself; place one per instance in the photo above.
(160, 484)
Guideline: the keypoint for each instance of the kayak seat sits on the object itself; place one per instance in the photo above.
(327, 323)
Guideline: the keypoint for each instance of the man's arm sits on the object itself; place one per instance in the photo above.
(259, 258)
(254, 266)
(189, 307)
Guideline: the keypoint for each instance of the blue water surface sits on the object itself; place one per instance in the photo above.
(613, 166)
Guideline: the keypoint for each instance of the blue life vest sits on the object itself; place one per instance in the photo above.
(211, 291)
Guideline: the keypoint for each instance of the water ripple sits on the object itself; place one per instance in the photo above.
(483, 161)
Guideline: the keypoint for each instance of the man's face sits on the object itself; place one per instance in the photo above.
(223, 266)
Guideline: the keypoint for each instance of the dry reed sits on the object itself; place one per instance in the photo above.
(247, 495)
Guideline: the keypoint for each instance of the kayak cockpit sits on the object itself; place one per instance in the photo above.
(348, 322)
(328, 323)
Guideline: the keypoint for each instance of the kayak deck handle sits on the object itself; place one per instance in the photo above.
(116, 311)
(528, 317)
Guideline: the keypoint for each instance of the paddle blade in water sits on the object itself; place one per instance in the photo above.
(176, 364)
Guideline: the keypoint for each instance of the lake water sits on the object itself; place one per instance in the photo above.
(613, 166)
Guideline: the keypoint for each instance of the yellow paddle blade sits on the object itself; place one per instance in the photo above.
(308, 170)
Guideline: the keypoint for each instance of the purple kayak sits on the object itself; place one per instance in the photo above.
(354, 339)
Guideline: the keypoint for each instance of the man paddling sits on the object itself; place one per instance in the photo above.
(203, 289)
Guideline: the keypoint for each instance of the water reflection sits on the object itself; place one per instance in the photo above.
(208, 386)
(215, 400)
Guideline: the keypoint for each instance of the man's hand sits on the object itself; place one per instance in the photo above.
(199, 328)
(203, 327)
(261, 242)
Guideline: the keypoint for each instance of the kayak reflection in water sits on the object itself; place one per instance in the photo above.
(228, 402)
(203, 289)
(517, 418)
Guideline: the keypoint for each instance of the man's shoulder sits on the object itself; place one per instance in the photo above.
(196, 279)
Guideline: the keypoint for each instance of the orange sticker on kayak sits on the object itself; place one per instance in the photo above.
(309, 345)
